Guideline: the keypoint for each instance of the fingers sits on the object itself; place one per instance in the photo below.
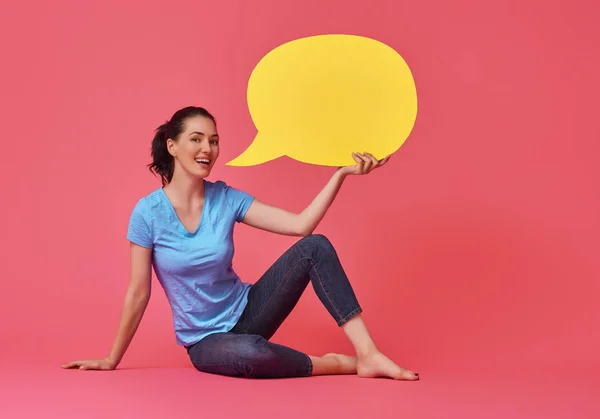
(82, 365)
(373, 160)
(71, 364)
(384, 160)
(360, 162)
(366, 162)
(363, 161)
(369, 162)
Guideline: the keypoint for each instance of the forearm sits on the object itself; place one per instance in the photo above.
(133, 310)
(314, 213)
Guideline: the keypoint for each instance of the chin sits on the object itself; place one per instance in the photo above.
(204, 172)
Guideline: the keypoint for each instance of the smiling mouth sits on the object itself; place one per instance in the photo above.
(203, 162)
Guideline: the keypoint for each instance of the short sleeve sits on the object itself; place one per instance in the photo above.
(138, 231)
(239, 201)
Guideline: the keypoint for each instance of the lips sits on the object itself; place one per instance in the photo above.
(204, 162)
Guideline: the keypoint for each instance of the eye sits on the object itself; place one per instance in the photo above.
(215, 142)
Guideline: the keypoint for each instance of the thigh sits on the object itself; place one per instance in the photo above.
(234, 354)
(272, 298)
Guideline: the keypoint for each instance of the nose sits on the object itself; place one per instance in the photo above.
(205, 146)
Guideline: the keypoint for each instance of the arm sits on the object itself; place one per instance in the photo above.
(277, 220)
(136, 301)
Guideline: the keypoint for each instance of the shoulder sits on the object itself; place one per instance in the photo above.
(222, 187)
(235, 199)
(141, 230)
(217, 185)
(150, 199)
(146, 204)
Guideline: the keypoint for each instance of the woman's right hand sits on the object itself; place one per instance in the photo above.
(136, 300)
(92, 364)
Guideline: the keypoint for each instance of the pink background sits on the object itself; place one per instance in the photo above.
(476, 246)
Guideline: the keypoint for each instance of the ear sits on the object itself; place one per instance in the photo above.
(171, 147)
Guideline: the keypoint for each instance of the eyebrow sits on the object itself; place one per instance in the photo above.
(201, 133)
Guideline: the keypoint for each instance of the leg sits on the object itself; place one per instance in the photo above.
(245, 355)
(252, 356)
(277, 292)
(312, 259)
(371, 362)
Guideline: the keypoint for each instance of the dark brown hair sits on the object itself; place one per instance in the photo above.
(162, 162)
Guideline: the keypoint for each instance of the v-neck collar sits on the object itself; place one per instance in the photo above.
(180, 225)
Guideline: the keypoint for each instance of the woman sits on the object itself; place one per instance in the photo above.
(185, 230)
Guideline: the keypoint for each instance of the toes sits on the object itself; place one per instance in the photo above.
(407, 375)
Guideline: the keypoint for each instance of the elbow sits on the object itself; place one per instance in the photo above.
(137, 303)
(139, 296)
(304, 231)
(303, 226)
(143, 297)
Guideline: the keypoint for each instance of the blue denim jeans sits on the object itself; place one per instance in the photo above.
(245, 350)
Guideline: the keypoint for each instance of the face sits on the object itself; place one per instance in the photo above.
(197, 148)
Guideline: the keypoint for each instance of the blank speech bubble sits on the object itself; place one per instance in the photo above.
(320, 98)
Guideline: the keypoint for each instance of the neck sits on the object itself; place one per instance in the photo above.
(185, 191)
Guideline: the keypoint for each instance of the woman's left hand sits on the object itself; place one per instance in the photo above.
(365, 163)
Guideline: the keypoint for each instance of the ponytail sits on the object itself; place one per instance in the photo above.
(162, 161)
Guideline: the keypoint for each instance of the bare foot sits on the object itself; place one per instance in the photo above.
(347, 364)
(379, 365)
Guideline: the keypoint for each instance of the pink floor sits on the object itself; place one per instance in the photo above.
(46, 391)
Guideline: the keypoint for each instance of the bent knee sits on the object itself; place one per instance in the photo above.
(317, 239)
(319, 242)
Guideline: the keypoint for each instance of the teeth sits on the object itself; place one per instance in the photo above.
(203, 160)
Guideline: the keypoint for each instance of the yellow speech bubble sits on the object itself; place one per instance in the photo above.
(320, 98)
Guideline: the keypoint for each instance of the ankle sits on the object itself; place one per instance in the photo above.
(367, 351)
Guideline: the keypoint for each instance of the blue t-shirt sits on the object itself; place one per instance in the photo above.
(195, 269)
